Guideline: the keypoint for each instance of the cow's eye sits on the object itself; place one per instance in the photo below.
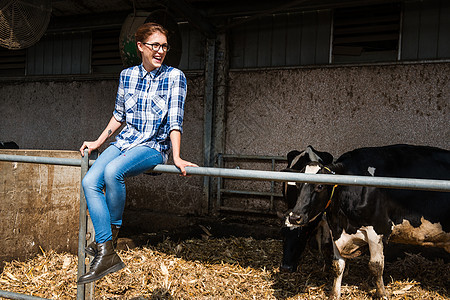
(319, 188)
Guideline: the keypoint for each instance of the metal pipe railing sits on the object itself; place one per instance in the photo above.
(43, 160)
(384, 182)
(12, 295)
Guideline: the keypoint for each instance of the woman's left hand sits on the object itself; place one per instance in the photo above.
(181, 164)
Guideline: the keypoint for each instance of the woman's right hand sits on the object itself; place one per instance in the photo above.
(90, 146)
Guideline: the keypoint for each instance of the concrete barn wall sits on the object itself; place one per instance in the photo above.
(338, 109)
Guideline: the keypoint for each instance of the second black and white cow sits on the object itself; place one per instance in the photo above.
(295, 238)
(369, 216)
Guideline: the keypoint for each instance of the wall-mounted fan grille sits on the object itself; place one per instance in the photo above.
(23, 22)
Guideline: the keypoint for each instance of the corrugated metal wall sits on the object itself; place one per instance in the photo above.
(293, 39)
(60, 53)
(426, 30)
(193, 44)
(282, 40)
(74, 53)
(304, 38)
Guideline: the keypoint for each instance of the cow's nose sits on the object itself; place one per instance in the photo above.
(294, 218)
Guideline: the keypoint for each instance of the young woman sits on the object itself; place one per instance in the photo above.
(150, 103)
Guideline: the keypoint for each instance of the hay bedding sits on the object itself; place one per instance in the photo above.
(231, 268)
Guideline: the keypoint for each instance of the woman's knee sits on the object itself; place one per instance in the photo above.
(91, 182)
(113, 174)
(87, 182)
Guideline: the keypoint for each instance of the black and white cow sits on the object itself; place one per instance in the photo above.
(295, 238)
(368, 216)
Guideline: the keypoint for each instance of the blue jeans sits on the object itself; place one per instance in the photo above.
(104, 185)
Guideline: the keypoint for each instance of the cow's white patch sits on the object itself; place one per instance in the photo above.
(312, 169)
(291, 183)
(289, 224)
(349, 244)
(427, 234)
(371, 171)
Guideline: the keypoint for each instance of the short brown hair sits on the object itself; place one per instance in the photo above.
(147, 29)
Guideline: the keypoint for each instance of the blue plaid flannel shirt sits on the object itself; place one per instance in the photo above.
(151, 104)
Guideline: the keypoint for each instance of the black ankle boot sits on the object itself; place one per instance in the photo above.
(91, 249)
(106, 261)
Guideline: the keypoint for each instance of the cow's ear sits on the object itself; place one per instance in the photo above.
(326, 158)
(291, 155)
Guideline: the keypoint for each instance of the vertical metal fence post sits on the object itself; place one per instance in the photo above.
(219, 185)
(208, 119)
(272, 189)
(82, 288)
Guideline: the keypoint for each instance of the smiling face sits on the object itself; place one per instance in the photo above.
(152, 59)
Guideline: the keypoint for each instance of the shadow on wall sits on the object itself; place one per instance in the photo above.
(8, 145)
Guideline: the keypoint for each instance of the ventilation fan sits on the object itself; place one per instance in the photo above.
(23, 22)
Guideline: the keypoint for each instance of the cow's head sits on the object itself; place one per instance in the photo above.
(297, 162)
(313, 198)
(295, 237)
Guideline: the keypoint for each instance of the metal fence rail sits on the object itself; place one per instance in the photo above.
(384, 182)
(43, 160)
(12, 295)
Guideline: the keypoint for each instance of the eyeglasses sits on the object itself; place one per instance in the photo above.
(157, 46)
